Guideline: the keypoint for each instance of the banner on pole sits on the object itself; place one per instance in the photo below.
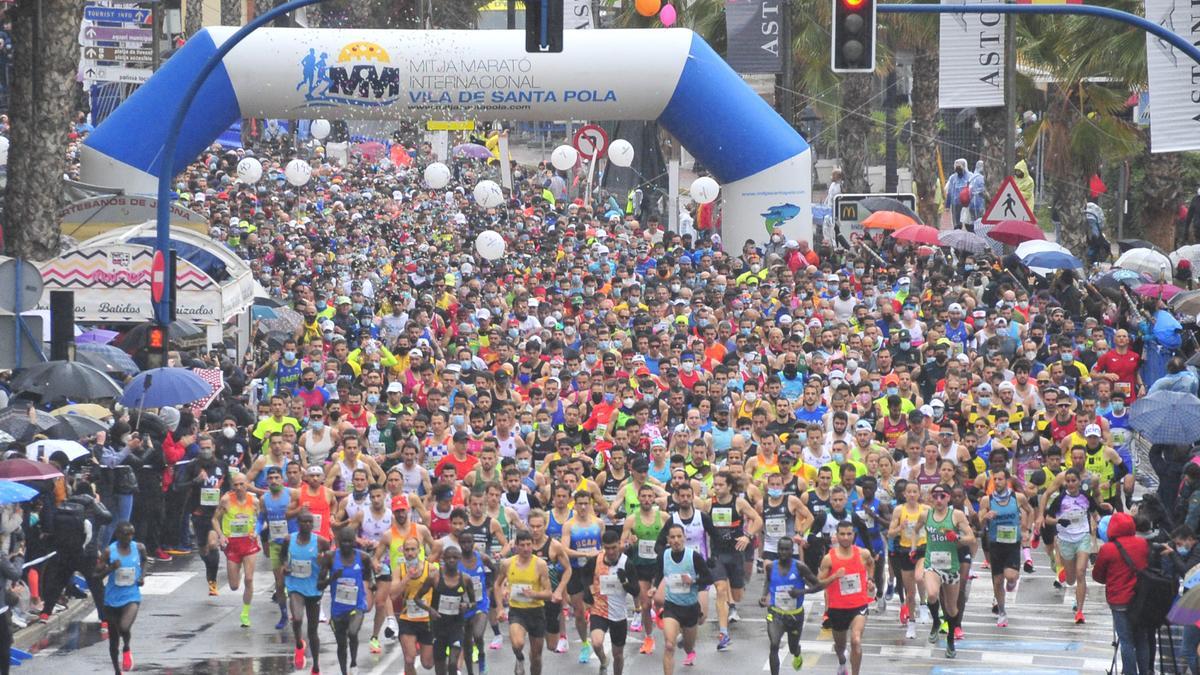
(971, 59)
(1175, 115)
(754, 41)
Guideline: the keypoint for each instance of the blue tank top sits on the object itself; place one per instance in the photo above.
(348, 592)
(1005, 527)
(288, 377)
(553, 527)
(584, 538)
(274, 518)
(301, 576)
(260, 481)
(783, 581)
(661, 475)
(722, 439)
(677, 592)
(121, 587)
(478, 578)
(959, 334)
(871, 523)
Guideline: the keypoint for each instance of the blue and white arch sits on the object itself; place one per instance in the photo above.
(671, 76)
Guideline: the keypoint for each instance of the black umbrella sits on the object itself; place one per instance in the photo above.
(1126, 244)
(75, 427)
(1112, 282)
(72, 380)
(22, 421)
(874, 204)
(268, 302)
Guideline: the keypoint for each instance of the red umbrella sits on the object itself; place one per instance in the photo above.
(1164, 291)
(26, 469)
(887, 220)
(1013, 232)
(919, 234)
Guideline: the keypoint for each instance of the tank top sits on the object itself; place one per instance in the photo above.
(1098, 465)
(449, 600)
(780, 586)
(608, 592)
(302, 569)
(506, 446)
(817, 503)
(778, 523)
(631, 503)
(209, 491)
(722, 440)
(355, 506)
(481, 533)
(434, 452)
(584, 538)
(413, 482)
(476, 575)
(1005, 526)
(680, 592)
(941, 554)
(411, 611)
(274, 515)
(762, 467)
(1024, 455)
(521, 505)
(1073, 521)
(662, 475)
(727, 522)
(553, 567)
(893, 430)
(348, 594)
(439, 522)
(396, 545)
(287, 377)
(346, 474)
(260, 481)
(374, 526)
(912, 526)
(317, 450)
(505, 527)
(647, 537)
(318, 505)
(610, 488)
(521, 580)
(850, 591)
(872, 524)
(121, 586)
(238, 519)
(554, 528)
(693, 532)
(926, 481)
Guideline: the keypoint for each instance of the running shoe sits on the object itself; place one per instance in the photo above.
(881, 605)
(958, 633)
(945, 627)
(376, 648)
(951, 652)
(283, 622)
(911, 632)
(1062, 576)
(904, 612)
(689, 659)
(657, 619)
(519, 669)
(561, 647)
(212, 588)
(604, 668)
(923, 615)
(1028, 566)
(1002, 620)
(890, 592)
(733, 614)
(585, 653)
(842, 670)
(797, 662)
(162, 556)
(1079, 616)
(298, 656)
(43, 617)
(635, 624)
(724, 642)
(391, 628)
(995, 608)
(103, 626)
(127, 660)
(245, 616)
(647, 646)
(933, 636)
(825, 622)
(324, 618)
(497, 643)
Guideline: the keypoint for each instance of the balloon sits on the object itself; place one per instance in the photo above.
(564, 157)
(489, 244)
(249, 170)
(437, 175)
(319, 129)
(1102, 528)
(705, 190)
(488, 194)
(620, 152)
(297, 172)
(647, 7)
(667, 16)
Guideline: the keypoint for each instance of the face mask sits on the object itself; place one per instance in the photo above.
(317, 425)
(985, 401)
(688, 366)
(628, 401)
(276, 488)
(597, 396)
(590, 359)
(756, 369)
(774, 493)
(465, 364)
(526, 429)
(1032, 356)
(801, 436)
(751, 396)
(523, 465)
(229, 432)
(1118, 407)
(1002, 427)
(457, 420)
(844, 293)
(309, 385)
(892, 391)
(790, 369)
(1068, 357)
(1183, 550)
(524, 378)
(206, 454)
(839, 457)
(372, 399)
(905, 345)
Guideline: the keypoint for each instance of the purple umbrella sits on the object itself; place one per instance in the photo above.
(472, 151)
(97, 336)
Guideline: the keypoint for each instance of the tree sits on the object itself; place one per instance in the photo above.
(42, 95)
(854, 126)
(919, 34)
(193, 17)
(231, 12)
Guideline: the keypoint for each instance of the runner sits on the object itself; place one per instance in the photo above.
(124, 563)
(908, 524)
(371, 524)
(319, 500)
(205, 479)
(850, 597)
(1075, 512)
(581, 539)
(612, 576)
(275, 505)
(349, 578)
(786, 581)
(233, 522)
(477, 568)
(523, 581)
(735, 523)
(640, 535)
(445, 596)
(945, 528)
(681, 574)
(559, 571)
(408, 582)
(1006, 514)
(301, 554)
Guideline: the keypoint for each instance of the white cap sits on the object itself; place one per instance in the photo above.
(904, 281)
(792, 243)
(955, 307)
(927, 409)
(1092, 430)
(936, 403)
(837, 375)
(395, 387)
(533, 302)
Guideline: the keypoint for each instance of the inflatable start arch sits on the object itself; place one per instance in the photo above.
(671, 76)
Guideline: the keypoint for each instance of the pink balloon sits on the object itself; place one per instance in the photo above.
(667, 16)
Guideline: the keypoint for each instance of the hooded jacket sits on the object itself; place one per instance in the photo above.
(1110, 568)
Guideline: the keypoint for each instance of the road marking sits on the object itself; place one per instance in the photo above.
(165, 583)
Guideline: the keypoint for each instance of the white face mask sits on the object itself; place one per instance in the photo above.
(229, 432)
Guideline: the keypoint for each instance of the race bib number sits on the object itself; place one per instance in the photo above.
(210, 496)
(477, 584)
(784, 599)
(1006, 534)
(722, 516)
(346, 592)
(646, 549)
(301, 569)
(449, 604)
(850, 584)
(316, 522)
(1075, 518)
(776, 527)
(241, 526)
(414, 611)
(676, 584)
(610, 585)
(125, 576)
(939, 560)
(277, 528)
(521, 593)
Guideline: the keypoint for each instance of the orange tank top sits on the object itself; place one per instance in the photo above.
(850, 591)
(318, 505)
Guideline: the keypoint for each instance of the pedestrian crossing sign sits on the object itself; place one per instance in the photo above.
(1009, 204)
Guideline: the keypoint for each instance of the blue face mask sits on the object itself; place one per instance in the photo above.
(1183, 550)
(892, 390)
(609, 397)
(524, 378)
(776, 493)
(1118, 407)
(985, 401)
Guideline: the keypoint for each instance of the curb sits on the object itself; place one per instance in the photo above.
(34, 633)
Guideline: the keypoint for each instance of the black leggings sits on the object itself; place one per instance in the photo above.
(306, 608)
(345, 631)
(120, 624)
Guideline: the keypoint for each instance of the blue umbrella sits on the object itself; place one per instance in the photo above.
(160, 387)
(106, 357)
(1053, 260)
(263, 312)
(15, 493)
(1168, 417)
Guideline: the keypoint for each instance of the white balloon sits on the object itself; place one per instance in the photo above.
(320, 129)
(705, 190)
(620, 152)
(564, 157)
(297, 172)
(489, 244)
(437, 175)
(249, 170)
(488, 194)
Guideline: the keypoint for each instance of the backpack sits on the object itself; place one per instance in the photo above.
(1153, 593)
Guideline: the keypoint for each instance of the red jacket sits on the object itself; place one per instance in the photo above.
(1110, 568)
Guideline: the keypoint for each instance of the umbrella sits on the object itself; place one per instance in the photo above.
(472, 151)
(1168, 417)
(40, 451)
(1028, 248)
(1190, 252)
(179, 332)
(22, 421)
(160, 387)
(1014, 232)
(286, 320)
(1124, 245)
(1147, 261)
(108, 358)
(97, 336)
(874, 204)
(1164, 291)
(75, 427)
(1052, 260)
(888, 220)
(267, 302)
(66, 379)
(1186, 610)
(920, 234)
(262, 312)
(968, 242)
(1187, 302)
(15, 493)
(19, 469)
(1113, 280)
(97, 412)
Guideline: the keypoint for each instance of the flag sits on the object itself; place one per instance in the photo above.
(216, 380)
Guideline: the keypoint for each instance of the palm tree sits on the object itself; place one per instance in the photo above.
(193, 16)
(231, 12)
(918, 33)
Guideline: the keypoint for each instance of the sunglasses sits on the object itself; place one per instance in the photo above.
(940, 495)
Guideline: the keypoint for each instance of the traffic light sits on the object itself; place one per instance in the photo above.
(543, 26)
(853, 40)
(156, 346)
